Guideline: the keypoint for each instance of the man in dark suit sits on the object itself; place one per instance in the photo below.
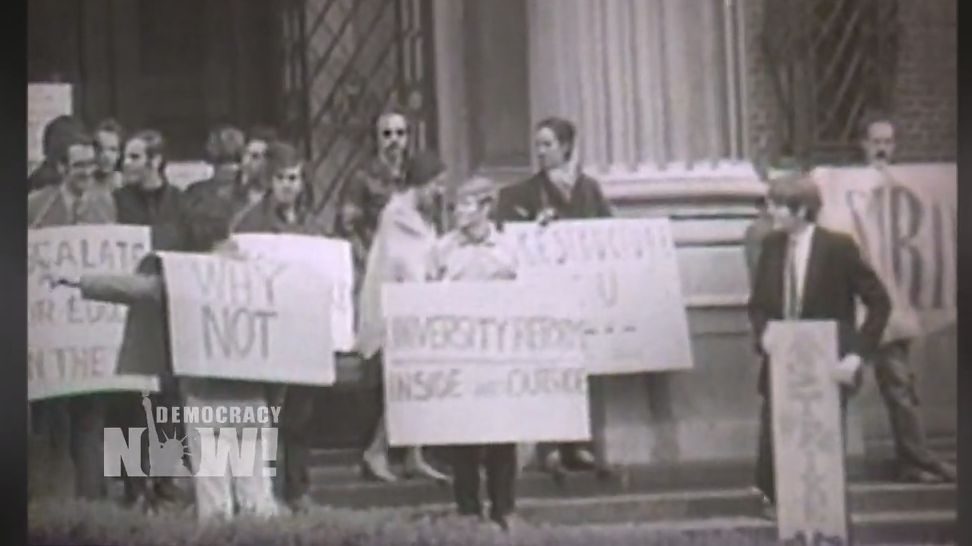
(806, 272)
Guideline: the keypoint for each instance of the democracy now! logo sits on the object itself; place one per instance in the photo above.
(226, 440)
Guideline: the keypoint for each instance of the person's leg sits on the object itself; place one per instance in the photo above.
(896, 382)
(465, 484)
(765, 478)
(374, 459)
(500, 460)
(296, 419)
(253, 489)
(214, 495)
(87, 444)
(416, 465)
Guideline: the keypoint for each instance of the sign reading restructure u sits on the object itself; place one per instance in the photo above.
(248, 319)
(483, 362)
(73, 343)
(628, 273)
(808, 451)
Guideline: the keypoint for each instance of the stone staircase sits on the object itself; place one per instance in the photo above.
(696, 498)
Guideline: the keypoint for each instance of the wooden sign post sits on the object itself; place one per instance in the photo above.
(807, 441)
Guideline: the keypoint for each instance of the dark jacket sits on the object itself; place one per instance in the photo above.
(524, 201)
(160, 209)
(836, 275)
(230, 191)
(46, 174)
(264, 217)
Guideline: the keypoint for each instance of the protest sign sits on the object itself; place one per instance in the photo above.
(483, 362)
(904, 218)
(73, 343)
(248, 319)
(327, 258)
(45, 101)
(628, 272)
(808, 452)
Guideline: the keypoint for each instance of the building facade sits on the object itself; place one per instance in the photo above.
(681, 106)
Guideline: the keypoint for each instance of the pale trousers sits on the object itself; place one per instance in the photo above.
(223, 495)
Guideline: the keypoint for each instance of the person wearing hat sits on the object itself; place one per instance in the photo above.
(405, 235)
(475, 251)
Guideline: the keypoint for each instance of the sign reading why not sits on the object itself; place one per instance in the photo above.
(904, 218)
(628, 273)
(327, 258)
(808, 450)
(483, 362)
(248, 319)
(73, 343)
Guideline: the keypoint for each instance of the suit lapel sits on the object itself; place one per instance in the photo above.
(815, 262)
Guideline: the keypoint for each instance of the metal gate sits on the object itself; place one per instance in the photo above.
(831, 62)
(347, 61)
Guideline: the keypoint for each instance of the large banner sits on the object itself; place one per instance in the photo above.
(627, 271)
(73, 343)
(248, 319)
(808, 452)
(45, 101)
(904, 218)
(328, 258)
(485, 362)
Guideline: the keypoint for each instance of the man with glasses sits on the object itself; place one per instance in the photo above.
(72, 426)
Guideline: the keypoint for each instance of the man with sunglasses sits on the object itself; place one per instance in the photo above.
(369, 188)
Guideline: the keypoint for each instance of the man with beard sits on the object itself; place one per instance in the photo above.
(892, 369)
(370, 187)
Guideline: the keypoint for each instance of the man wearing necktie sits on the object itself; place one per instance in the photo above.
(806, 272)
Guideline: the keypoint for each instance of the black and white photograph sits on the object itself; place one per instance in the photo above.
(489, 272)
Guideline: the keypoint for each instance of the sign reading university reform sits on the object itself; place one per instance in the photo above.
(248, 319)
(483, 362)
(808, 453)
(73, 343)
(904, 218)
(328, 258)
(627, 270)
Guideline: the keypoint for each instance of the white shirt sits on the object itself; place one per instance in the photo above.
(801, 246)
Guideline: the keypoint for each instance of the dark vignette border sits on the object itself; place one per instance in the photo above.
(13, 273)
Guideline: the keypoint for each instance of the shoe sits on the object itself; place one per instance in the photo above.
(508, 523)
(416, 468)
(946, 472)
(917, 475)
(582, 459)
(372, 469)
(302, 504)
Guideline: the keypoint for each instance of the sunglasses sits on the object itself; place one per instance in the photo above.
(387, 133)
(288, 177)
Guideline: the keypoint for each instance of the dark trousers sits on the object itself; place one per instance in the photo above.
(499, 460)
(896, 382)
(296, 418)
(74, 427)
(765, 471)
(125, 411)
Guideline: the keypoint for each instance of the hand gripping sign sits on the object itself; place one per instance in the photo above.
(73, 343)
(250, 319)
(627, 271)
(483, 362)
(808, 450)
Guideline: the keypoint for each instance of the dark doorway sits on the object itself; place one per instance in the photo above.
(180, 66)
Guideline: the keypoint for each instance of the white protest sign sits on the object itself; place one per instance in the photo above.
(248, 319)
(45, 101)
(628, 272)
(73, 343)
(328, 258)
(904, 219)
(808, 450)
(483, 362)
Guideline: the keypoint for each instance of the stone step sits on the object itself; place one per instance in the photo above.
(910, 527)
